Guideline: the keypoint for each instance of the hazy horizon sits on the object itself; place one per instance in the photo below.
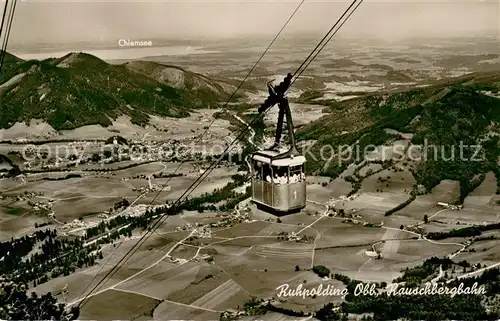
(103, 23)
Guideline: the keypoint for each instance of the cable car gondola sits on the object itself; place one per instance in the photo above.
(278, 177)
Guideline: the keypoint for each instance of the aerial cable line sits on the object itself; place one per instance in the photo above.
(198, 181)
(10, 19)
(206, 130)
(162, 217)
(99, 271)
(3, 17)
(4, 26)
(233, 94)
(208, 127)
(211, 167)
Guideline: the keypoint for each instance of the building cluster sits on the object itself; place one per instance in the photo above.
(203, 232)
(134, 211)
(140, 209)
(72, 154)
(295, 237)
(75, 224)
(152, 188)
(361, 222)
(415, 228)
(450, 206)
(350, 214)
(22, 197)
(177, 260)
(39, 206)
(225, 221)
(186, 227)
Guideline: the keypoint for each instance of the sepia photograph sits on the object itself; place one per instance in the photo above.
(250, 160)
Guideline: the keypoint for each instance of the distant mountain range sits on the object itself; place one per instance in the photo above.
(80, 89)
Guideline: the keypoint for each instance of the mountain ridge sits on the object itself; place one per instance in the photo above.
(464, 110)
(80, 89)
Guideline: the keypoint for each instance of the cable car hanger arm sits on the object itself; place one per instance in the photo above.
(277, 96)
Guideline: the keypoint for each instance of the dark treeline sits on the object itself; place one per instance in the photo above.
(489, 278)
(205, 202)
(418, 307)
(106, 226)
(463, 232)
(284, 311)
(167, 175)
(327, 313)
(73, 175)
(384, 307)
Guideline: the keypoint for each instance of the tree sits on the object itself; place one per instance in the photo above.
(321, 271)
(14, 171)
(278, 220)
(297, 268)
(426, 219)
(401, 227)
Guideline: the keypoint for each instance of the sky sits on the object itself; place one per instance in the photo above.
(69, 22)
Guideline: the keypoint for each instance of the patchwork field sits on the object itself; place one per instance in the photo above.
(201, 263)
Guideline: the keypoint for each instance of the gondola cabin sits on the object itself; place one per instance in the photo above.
(278, 177)
(278, 184)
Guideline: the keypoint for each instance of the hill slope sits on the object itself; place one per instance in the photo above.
(177, 77)
(464, 111)
(80, 89)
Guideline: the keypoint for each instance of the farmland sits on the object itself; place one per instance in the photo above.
(104, 208)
